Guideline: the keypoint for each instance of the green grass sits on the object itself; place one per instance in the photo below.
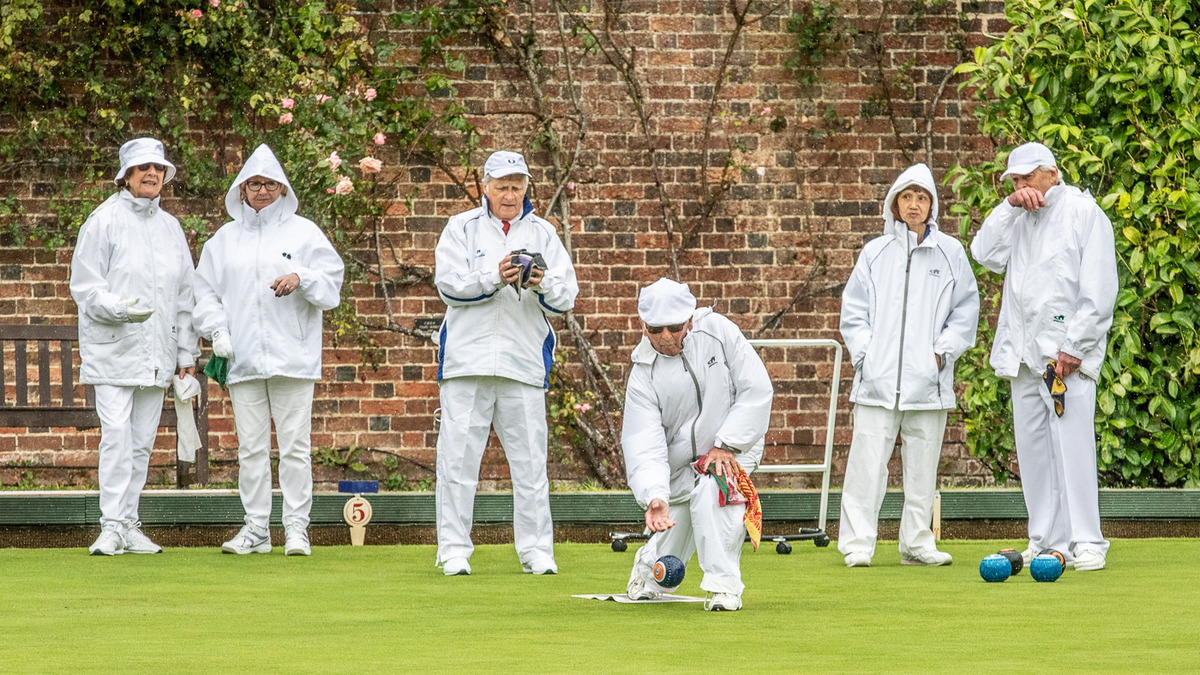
(387, 609)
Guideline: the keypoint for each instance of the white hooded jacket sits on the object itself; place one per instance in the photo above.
(488, 330)
(130, 248)
(271, 337)
(1060, 280)
(906, 303)
(715, 393)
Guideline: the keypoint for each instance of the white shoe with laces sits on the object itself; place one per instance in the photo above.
(858, 560)
(456, 567)
(637, 589)
(296, 542)
(722, 602)
(1089, 560)
(1028, 555)
(110, 542)
(137, 542)
(249, 539)
(932, 558)
(539, 566)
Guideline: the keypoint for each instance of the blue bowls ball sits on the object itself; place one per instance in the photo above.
(995, 568)
(668, 572)
(1046, 568)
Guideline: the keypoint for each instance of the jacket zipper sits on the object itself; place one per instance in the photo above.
(699, 403)
(156, 349)
(903, 321)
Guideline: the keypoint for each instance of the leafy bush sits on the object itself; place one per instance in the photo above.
(1112, 87)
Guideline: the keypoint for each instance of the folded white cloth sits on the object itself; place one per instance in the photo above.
(187, 438)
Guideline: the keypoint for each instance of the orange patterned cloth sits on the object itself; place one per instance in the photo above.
(739, 491)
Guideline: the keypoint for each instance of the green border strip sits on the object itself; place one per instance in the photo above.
(224, 508)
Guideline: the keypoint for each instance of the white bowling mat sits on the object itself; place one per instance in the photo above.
(625, 599)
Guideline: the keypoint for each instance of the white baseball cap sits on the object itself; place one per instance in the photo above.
(143, 151)
(1025, 159)
(504, 163)
(666, 303)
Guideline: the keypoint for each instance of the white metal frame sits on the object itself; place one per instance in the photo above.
(826, 468)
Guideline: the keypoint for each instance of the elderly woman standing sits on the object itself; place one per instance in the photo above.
(131, 277)
(910, 309)
(263, 280)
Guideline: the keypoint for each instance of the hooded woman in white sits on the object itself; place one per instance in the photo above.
(131, 276)
(909, 310)
(263, 280)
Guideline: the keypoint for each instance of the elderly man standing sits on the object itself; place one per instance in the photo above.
(132, 277)
(502, 273)
(697, 391)
(1055, 247)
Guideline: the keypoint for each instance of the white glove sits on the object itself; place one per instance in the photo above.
(222, 347)
(137, 314)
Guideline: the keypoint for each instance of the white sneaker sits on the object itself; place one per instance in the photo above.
(249, 539)
(137, 542)
(1028, 555)
(456, 567)
(296, 542)
(541, 565)
(932, 558)
(1089, 560)
(858, 560)
(110, 542)
(637, 589)
(722, 602)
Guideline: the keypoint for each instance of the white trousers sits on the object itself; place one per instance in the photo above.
(288, 401)
(875, 430)
(128, 426)
(470, 407)
(702, 526)
(1057, 458)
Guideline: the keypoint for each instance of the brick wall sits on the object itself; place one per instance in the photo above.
(792, 225)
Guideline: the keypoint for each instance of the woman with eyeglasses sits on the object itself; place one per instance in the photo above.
(263, 280)
(909, 310)
(131, 277)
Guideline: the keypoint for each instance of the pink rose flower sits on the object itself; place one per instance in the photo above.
(334, 161)
(214, 3)
(585, 407)
(370, 95)
(380, 139)
(196, 14)
(766, 111)
(285, 118)
(287, 103)
(321, 98)
(571, 185)
(345, 186)
(370, 165)
(329, 190)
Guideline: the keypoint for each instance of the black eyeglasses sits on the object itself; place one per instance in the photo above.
(655, 330)
(148, 165)
(255, 186)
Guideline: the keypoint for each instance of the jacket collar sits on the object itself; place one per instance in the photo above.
(526, 209)
(272, 214)
(139, 205)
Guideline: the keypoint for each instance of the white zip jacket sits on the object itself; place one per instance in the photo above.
(488, 330)
(130, 248)
(271, 337)
(906, 303)
(715, 393)
(1060, 280)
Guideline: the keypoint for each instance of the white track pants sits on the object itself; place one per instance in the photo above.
(128, 425)
(470, 407)
(289, 402)
(875, 430)
(1057, 458)
(702, 526)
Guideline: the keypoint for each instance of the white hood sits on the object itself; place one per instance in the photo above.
(921, 176)
(262, 163)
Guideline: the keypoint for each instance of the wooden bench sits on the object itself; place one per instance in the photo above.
(65, 409)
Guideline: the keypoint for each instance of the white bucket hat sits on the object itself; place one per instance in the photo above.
(143, 151)
(504, 163)
(1025, 159)
(666, 303)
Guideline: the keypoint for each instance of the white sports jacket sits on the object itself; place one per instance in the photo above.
(131, 248)
(488, 330)
(271, 336)
(715, 393)
(1060, 280)
(905, 303)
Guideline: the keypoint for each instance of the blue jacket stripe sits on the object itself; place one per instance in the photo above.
(475, 299)
(552, 309)
(548, 352)
(441, 351)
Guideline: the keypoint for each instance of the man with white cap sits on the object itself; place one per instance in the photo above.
(495, 349)
(1055, 247)
(131, 277)
(697, 390)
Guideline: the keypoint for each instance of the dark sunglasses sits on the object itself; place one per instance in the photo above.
(655, 330)
(146, 167)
